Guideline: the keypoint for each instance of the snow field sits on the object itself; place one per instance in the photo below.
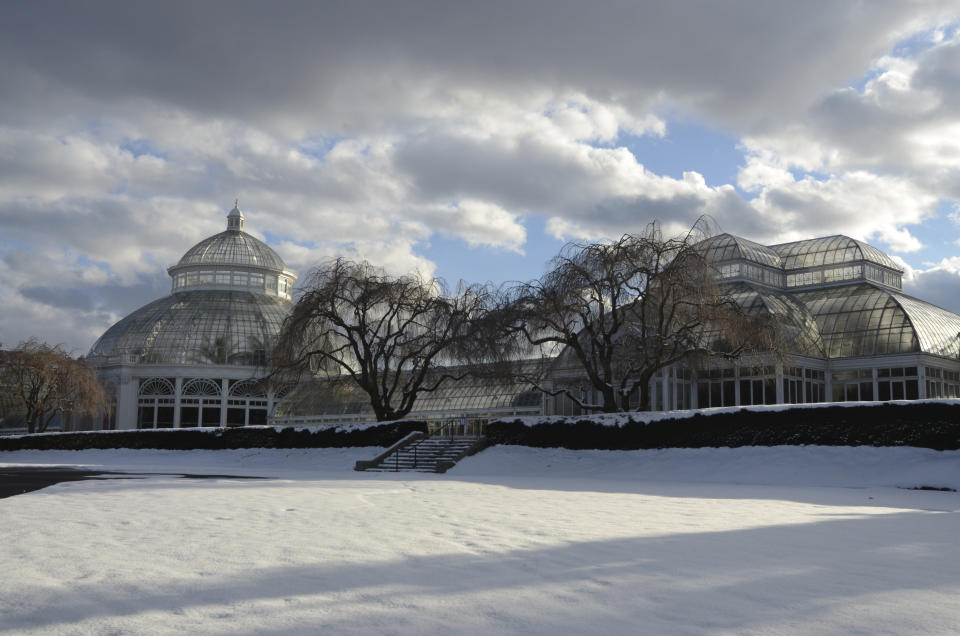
(514, 540)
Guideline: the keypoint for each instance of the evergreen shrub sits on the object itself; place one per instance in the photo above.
(218, 438)
(923, 424)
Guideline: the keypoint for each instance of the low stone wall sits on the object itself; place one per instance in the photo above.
(217, 438)
(924, 424)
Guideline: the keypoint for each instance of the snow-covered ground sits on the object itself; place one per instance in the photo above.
(514, 540)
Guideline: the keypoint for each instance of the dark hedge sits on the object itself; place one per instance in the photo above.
(925, 425)
(213, 439)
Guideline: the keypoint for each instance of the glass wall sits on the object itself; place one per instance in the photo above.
(853, 385)
(942, 383)
(898, 383)
(716, 387)
(793, 385)
(758, 385)
(815, 381)
(684, 383)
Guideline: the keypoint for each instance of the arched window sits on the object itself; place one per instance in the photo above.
(200, 403)
(155, 403)
(156, 386)
(247, 403)
(202, 387)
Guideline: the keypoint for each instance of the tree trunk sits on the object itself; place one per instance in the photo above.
(644, 399)
(644, 391)
(45, 422)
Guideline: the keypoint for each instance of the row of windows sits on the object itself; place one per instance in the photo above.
(739, 387)
(191, 416)
(204, 387)
(886, 390)
(279, 285)
(813, 277)
(852, 374)
(885, 276)
(797, 392)
(718, 387)
(942, 383)
(201, 403)
(897, 372)
(935, 372)
(940, 389)
(823, 276)
(757, 391)
(752, 272)
(893, 383)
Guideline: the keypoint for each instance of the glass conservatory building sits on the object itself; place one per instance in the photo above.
(854, 334)
(192, 358)
(466, 401)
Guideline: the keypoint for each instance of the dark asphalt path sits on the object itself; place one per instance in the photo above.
(20, 480)
(16, 481)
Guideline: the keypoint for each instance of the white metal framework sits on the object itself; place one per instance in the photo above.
(190, 358)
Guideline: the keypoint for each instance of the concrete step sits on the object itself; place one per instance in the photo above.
(426, 455)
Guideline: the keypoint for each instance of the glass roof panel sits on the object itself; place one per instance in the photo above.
(850, 320)
(318, 397)
(802, 330)
(830, 250)
(725, 247)
(196, 327)
(938, 330)
(232, 247)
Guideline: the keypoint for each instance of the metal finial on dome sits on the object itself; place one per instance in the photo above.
(235, 218)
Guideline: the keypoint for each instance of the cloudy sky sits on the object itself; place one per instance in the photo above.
(468, 140)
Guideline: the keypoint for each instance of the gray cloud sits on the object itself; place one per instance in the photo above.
(365, 128)
(351, 64)
(938, 286)
(69, 298)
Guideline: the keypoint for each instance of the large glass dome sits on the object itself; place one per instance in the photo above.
(233, 260)
(231, 293)
(197, 327)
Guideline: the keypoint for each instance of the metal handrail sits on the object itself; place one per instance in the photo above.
(407, 439)
(461, 427)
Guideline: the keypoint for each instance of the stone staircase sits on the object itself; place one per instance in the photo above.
(424, 454)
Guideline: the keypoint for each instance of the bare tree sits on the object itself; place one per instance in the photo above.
(394, 337)
(621, 311)
(45, 381)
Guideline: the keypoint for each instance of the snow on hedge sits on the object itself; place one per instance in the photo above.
(621, 419)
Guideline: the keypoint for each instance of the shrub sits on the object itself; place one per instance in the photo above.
(212, 439)
(923, 424)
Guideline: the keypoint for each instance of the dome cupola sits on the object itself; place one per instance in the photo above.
(235, 218)
(233, 260)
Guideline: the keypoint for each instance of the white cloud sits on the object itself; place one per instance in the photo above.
(859, 204)
(126, 132)
(938, 284)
